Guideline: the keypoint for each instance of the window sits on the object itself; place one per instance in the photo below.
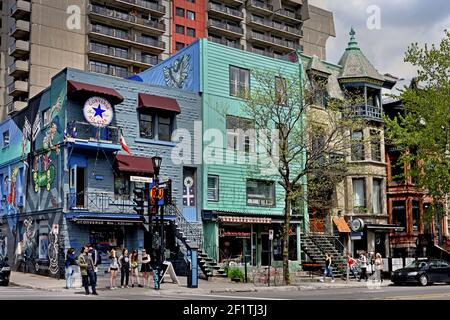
(357, 145)
(240, 136)
(6, 138)
(280, 90)
(121, 184)
(415, 215)
(260, 193)
(179, 29)
(376, 197)
(146, 126)
(179, 12)
(164, 128)
(190, 15)
(46, 117)
(318, 146)
(399, 213)
(191, 32)
(397, 170)
(239, 81)
(375, 145)
(179, 46)
(359, 194)
(213, 188)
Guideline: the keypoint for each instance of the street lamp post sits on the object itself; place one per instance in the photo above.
(156, 162)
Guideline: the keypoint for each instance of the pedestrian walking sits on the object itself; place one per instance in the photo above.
(328, 269)
(135, 269)
(351, 265)
(379, 266)
(113, 268)
(70, 262)
(87, 271)
(124, 264)
(145, 268)
(363, 263)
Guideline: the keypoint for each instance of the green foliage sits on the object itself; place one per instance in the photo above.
(235, 273)
(422, 131)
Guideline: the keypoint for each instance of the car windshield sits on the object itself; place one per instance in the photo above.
(416, 264)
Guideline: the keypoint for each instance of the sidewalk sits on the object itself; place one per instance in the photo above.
(214, 285)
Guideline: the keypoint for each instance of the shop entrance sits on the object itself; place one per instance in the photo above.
(234, 241)
(105, 238)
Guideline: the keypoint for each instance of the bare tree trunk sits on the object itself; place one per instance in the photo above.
(287, 222)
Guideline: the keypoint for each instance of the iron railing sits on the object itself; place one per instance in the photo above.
(226, 26)
(226, 42)
(85, 131)
(148, 4)
(193, 233)
(224, 9)
(100, 202)
(368, 111)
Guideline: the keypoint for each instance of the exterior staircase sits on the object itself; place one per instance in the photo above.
(316, 245)
(190, 235)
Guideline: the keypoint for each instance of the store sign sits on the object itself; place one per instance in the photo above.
(356, 235)
(98, 112)
(105, 222)
(141, 179)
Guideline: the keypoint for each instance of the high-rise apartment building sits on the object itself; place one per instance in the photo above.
(123, 37)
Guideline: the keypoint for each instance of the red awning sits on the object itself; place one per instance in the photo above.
(134, 164)
(231, 219)
(75, 88)
(157, 102)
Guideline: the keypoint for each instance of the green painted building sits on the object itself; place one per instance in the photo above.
(239, 204)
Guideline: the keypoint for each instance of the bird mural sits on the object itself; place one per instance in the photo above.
(177, 74)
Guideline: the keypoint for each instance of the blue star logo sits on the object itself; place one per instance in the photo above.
(98, 111)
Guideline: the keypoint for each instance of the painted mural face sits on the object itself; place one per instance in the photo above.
(177, 74)
(29, 238)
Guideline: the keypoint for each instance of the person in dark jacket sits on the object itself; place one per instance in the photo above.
(70, 262)
(95, 258)
(124, 263)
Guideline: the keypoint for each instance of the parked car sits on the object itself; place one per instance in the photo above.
(424, 272)
(5, 271)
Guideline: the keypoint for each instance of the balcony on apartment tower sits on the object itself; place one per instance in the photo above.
(114, 17)
(19, 49)
(125, 38)
(15, 106)
(20, 10)
(18, 88)
(20, 29)
(282, 29)
(154, 8)
(225, 28)
(224, 12)
(278, 44)
(18, 68)
(120, 55)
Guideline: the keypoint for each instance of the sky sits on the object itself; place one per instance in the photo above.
(401, 22)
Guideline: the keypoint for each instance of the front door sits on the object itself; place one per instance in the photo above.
(190, 194)
(380, 246)
(80, 187)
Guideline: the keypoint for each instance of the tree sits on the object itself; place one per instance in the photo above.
(422, 130)
(304, 142)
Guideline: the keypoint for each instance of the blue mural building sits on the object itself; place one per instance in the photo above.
(67, 180)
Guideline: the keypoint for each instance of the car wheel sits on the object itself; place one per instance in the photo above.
(423, 280)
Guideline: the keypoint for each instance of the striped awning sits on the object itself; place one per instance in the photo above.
(252, 220)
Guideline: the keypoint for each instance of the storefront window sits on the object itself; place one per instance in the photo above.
(121, 184)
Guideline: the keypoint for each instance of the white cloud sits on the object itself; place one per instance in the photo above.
(402, 22)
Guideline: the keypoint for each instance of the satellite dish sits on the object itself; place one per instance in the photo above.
(357, 225)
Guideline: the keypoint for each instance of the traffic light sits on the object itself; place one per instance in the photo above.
(139, 200)
(168, 192)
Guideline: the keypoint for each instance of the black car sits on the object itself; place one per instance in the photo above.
(5, 271)
(424, 272)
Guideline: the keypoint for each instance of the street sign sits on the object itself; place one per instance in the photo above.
(141, 179)
(271, 234)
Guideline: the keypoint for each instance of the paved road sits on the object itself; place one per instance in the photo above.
(436, 292)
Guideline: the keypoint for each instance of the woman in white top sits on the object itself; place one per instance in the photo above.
(379, 266)
(113, 267)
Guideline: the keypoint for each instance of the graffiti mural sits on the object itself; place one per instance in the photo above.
(176, 74)
(3, 244)
(53, 249)
(29, 238)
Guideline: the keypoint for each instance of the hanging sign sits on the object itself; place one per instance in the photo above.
(98, 112)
